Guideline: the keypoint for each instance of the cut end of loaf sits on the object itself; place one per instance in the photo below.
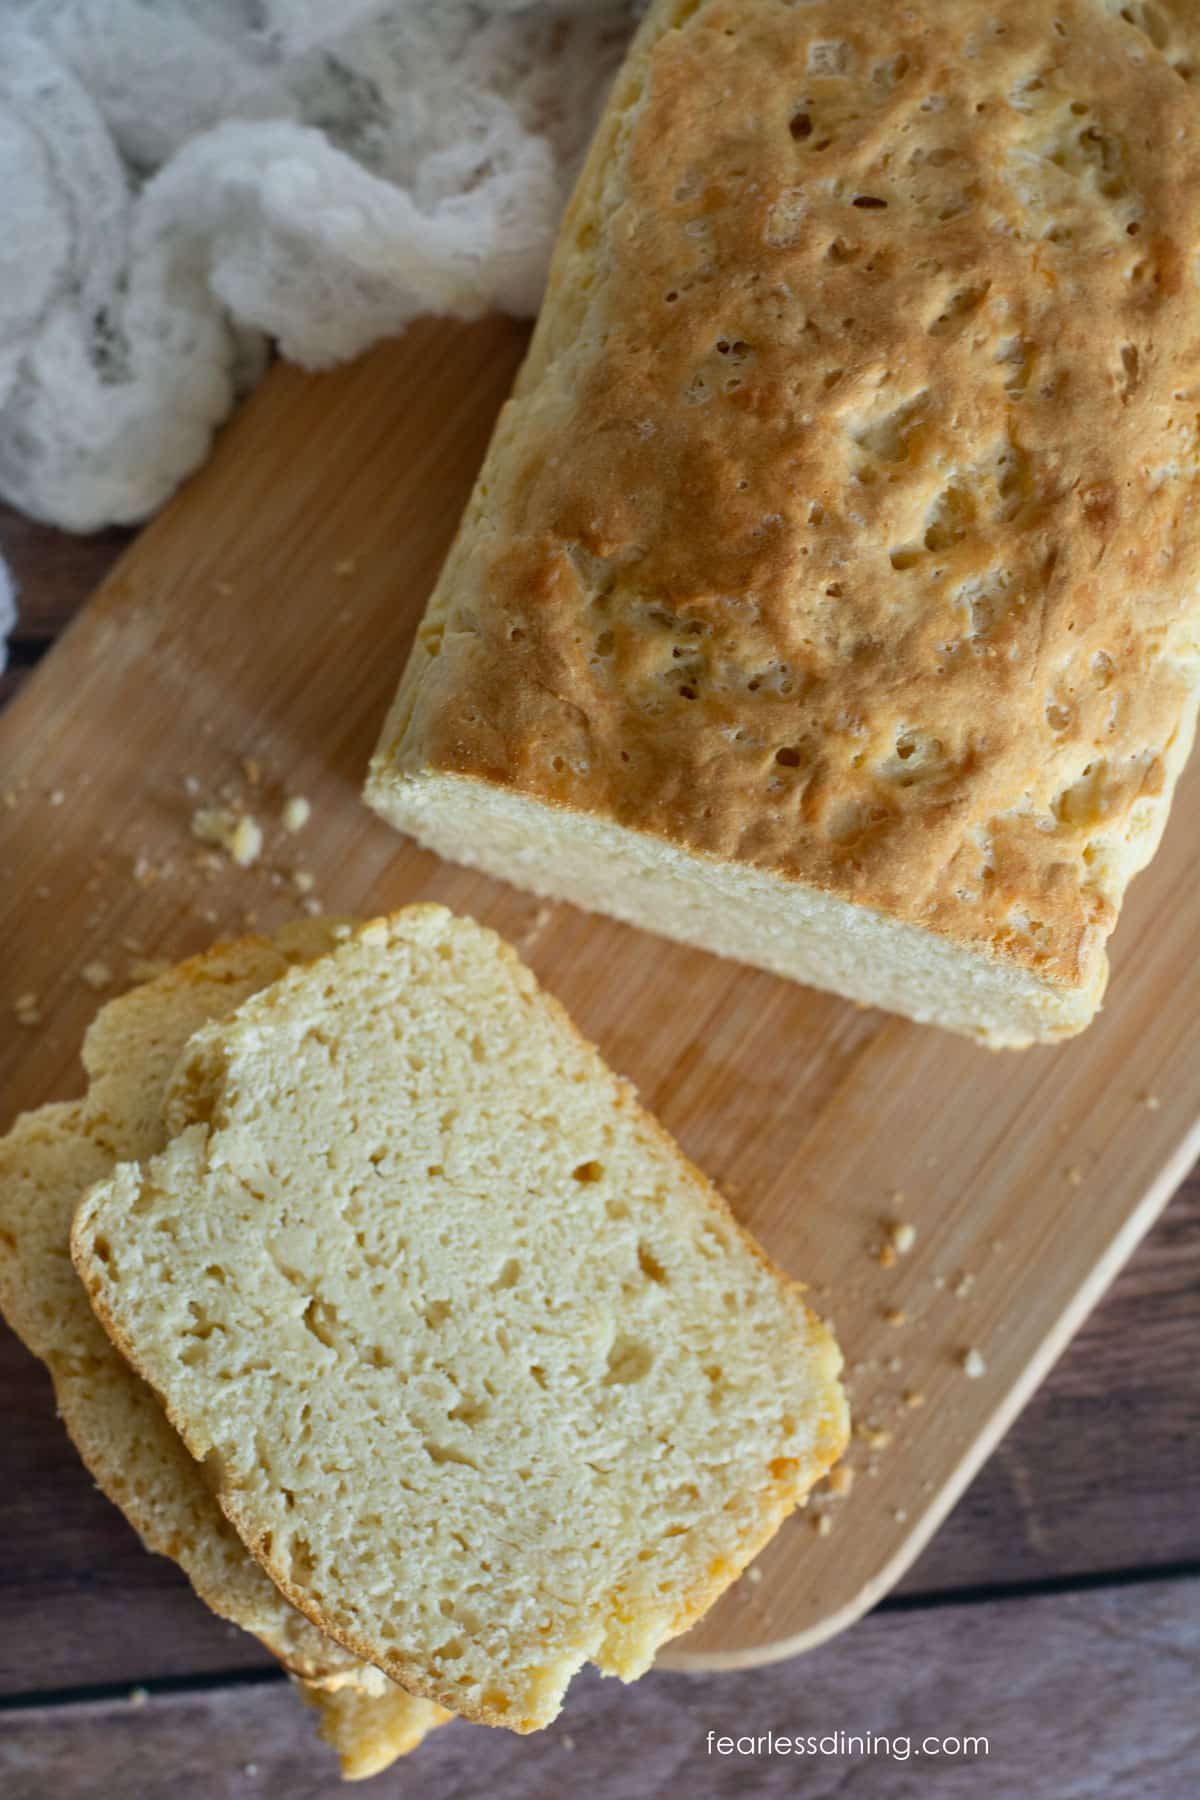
(733, 910)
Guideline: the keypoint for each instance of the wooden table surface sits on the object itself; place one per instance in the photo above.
(1056, 1614)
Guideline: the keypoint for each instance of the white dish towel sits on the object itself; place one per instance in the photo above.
(185, 181)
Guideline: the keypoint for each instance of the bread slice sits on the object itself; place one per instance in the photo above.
(47, 1161)
(829, 595)
(369, 1731)
(483, 1372)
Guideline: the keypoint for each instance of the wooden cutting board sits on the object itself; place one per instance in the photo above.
(247, 646)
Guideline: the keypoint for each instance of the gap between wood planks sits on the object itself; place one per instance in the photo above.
(215, 1680)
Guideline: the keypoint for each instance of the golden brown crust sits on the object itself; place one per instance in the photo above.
(842, 523)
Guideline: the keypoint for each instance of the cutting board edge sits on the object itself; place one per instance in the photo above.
(699, 1662)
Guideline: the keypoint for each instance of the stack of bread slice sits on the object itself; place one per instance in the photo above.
(48, 1160)
(424, 1352)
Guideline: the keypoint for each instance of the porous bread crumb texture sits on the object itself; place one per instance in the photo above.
(842, 525)
(484, 1373)
(47, 1161)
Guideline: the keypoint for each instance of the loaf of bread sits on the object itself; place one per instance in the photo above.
(482, 1371)
(47, 1161)
(828, 597)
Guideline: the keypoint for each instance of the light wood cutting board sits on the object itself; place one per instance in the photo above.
(266, 615)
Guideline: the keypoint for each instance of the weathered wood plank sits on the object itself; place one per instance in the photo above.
(10, 682)
(54, 571)
(1106, 1707)
(81, 1601)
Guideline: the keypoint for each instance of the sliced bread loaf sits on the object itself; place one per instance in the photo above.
(46, 1162)
(484, 1373)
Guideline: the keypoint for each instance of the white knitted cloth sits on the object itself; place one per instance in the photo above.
(184, 180)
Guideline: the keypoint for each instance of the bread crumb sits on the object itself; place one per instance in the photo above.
(342, 932)
(903, 1236)
(822, 1524)
(97, 974)
(535, 928)
(138, 1696)
(973, 1364)
(56, 797)
(1151, 1102)
(899, 1514)
(303, 881)
(894, 1315)
(893, 1365)
(251, 770)
(568, 1742)
(875, 1437)
(312, 906)
(27, 1010)
(963, 1285)
(297, 811)
(1075, 1175)
(754, 1574)
(914, 1397)
(885, 1256)
(238, 834)
(245, 843)
(840, 1480)
(939, 1281)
